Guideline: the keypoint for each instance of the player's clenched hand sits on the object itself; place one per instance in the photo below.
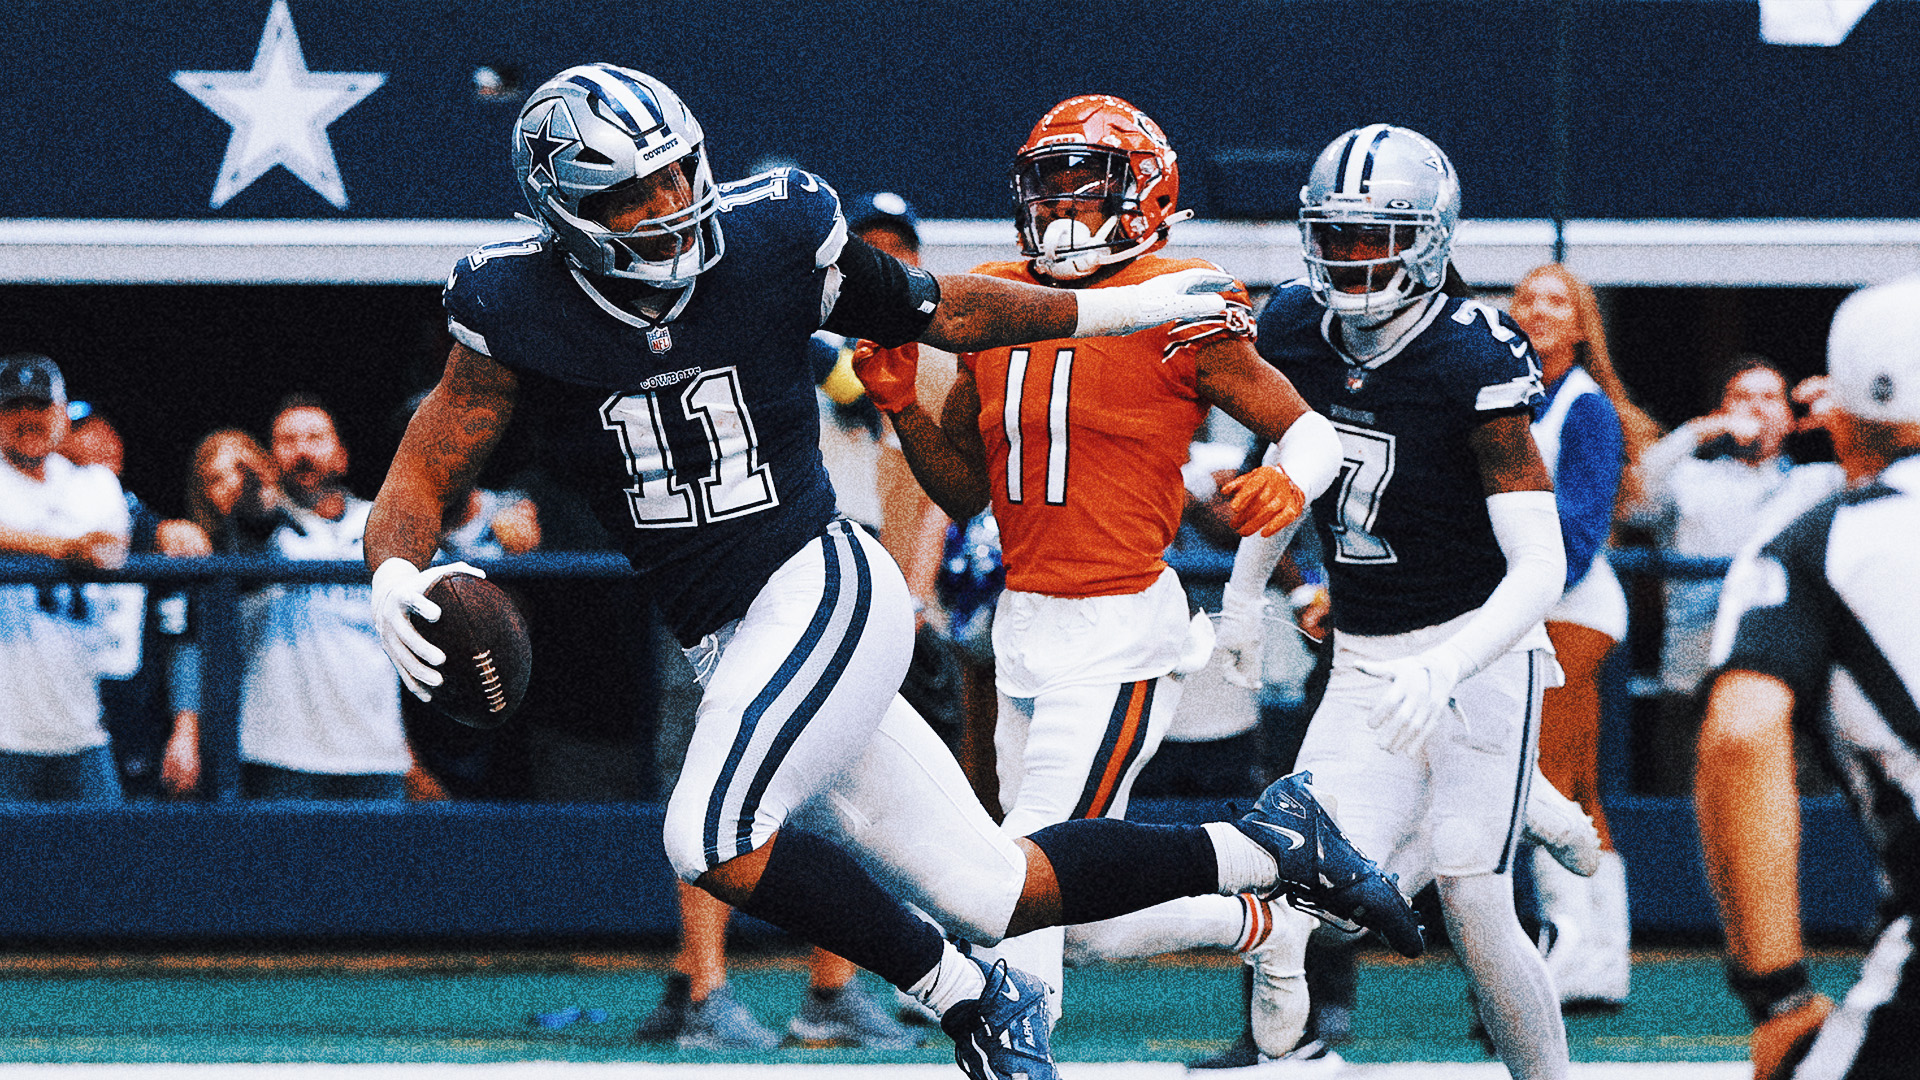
(1177, 297)
(1419, 692)
(400, 589)
(1240, 640)
(1778, 1045)
(888, 374)
(1265, 500)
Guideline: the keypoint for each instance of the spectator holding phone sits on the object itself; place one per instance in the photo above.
(1706, 489)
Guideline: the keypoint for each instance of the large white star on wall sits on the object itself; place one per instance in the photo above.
(279, 111)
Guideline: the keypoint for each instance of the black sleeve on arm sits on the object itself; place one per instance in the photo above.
(881, 298)
(1786, 629)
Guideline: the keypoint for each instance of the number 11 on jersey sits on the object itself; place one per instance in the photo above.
(1055, 432)
(735, 483)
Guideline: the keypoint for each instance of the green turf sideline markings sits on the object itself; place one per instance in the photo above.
(577, 1070)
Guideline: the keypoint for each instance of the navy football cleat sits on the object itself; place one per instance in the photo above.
(1003, 1035)
(1321, 872)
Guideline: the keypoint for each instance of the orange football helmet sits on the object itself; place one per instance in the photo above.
(1096, 183)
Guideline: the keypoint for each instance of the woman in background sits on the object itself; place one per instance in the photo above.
(1579, 432)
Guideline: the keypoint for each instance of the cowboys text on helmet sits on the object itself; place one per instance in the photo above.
(594, 133)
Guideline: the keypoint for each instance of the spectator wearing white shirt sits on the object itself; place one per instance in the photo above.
(320, 703)
(1706, 489)
(53, 745)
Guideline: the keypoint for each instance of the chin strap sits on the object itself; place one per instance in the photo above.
(1083, 263)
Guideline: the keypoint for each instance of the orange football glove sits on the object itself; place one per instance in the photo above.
(1265, 501)
(1778, 1045)
(888, 374)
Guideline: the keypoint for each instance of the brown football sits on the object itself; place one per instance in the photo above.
(488, 653)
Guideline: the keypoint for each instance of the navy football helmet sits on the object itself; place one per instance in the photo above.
(597, 128)
(1393, 187)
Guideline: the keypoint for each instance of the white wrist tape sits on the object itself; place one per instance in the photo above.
(1253, 564)
(1309, 453)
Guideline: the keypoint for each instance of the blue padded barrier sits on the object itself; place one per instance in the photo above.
(449, 872)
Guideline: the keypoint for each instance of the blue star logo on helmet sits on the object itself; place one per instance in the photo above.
(543, 146)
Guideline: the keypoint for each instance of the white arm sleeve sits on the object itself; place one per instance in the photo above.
(1309, 453)
(1527, 526)
(1253, 565)
(1182, 296)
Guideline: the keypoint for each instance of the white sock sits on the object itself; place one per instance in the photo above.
(1516, 995)
(1039, 954)
(1192, 922)
(1244, 865)
(954, 980)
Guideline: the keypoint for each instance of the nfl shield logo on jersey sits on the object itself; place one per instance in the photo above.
(659, 339)
(1356, 378)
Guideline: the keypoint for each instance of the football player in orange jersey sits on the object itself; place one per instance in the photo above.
(1077, 444)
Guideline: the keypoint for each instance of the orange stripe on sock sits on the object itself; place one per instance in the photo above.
(1259, 922)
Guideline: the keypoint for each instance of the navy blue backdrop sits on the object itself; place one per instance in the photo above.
(1677, 108)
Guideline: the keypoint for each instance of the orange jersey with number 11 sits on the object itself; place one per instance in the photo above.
(1085, 438)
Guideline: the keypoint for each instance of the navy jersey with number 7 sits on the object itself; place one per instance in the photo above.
(1405, 527)
(695, 441)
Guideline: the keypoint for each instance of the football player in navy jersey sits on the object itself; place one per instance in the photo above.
(1444, 553)
(655, 333)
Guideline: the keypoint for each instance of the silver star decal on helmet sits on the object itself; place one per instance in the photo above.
(279, 112)
(543, 146)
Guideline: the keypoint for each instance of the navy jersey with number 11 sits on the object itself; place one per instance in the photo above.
(1405, 527)
(696, 442)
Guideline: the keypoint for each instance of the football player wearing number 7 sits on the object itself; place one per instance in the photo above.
(1077, 444)
(655, 333)
(1444, 553)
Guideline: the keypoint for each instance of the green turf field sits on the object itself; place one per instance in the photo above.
(479, 1008)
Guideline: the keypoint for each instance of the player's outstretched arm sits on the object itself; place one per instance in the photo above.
(977, 312)
(449, 438)
(1305, 453)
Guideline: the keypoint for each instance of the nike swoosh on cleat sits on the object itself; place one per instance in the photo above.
(1009, 991)
(1295, 840)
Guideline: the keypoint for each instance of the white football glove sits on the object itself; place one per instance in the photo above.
(1419, 692)
(1182, 296)
(1239, 639)
(400, 589)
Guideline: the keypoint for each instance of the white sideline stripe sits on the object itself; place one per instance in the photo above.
(1490, 251)
(627, 1070)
